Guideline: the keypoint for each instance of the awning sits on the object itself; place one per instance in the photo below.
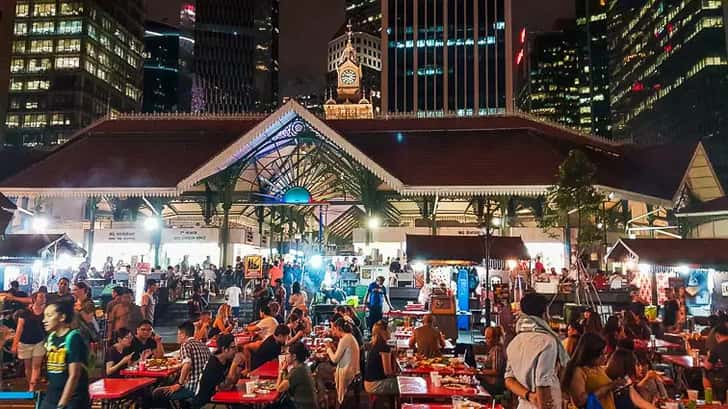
(24, 247)
(464, 248)
(672, 252)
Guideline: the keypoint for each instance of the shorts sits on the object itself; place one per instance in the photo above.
(387, 386)
(28, 351)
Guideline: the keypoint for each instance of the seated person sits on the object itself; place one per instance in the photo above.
(203, 325)
(495, 363)
(266, 325)
(716, 366)
(650, 387)
(297, 326)
(194, 356)
(573, 333)
(146, 343)
(271, 347)
(378, 377)
(119, 355)
(298, 380)
(222, 371)
(222, 324)
(427, 339)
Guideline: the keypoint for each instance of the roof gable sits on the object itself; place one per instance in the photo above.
(673, 252)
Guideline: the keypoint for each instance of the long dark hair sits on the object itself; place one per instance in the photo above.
(621, 363)
(593, 323)
(611, 331)
(588, 351)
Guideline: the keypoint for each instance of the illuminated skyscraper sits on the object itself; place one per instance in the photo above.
(72, 62)
(591, 21)
(167, 59)
(447, 56)
(236, 56)
(670, 73)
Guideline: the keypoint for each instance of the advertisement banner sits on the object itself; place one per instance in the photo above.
(196, 235)
(253, 266)
(116, 236)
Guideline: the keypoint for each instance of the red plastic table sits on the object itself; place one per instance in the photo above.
(684, 361)
(240, 339)
(237, 397)
(416, 387)
(113, 391)
(444, 406)
(267, 370)
(644, 344)
(426, 370)
(129, 373)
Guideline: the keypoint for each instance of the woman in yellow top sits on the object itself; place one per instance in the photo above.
(584, 374)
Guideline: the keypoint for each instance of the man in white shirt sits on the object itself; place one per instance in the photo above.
(232, 297)
(533, 354)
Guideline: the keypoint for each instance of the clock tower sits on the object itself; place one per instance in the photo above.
(350, 103)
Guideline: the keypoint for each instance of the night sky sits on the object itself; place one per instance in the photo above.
(307, 26)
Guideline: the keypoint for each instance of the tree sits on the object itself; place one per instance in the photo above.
(574, 197)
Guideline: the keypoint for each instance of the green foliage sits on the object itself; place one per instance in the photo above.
(575, 201)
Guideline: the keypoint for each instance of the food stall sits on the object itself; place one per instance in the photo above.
(455, 270)
(31, 259)
(698, 265)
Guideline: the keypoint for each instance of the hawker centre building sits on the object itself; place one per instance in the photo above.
(166, 187)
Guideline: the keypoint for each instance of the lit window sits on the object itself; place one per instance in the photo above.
(31, 105)
(20, 29)
(104, 59)
(69, 45)
(19, 47)
(17, 65)
(39, 64)
(67, 62)
(92, 31)
(12, 121)
(21, 10)
(60, 120)
(69, 27)
(104, 75)
(38, 85)
(16, 85)
(35, 120)
(74, 8)
(90, 67)
(43, 27)
(105, 41)
(44, 10)
(132, 92)
(41, 46)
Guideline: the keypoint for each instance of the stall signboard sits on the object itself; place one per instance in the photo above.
(201, 235)
(121, 236)
(143, 268)
(368, 273)
(253, 266)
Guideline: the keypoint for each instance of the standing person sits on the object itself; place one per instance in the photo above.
(149, 301)
(119, 355)
(584, 374)
(378, 374)
(194, 356)
(298, 296)
(427, 339)
(63, 294)
(232, 298)
(395, 267)
(670, 308)
(85, 319)
(116, 293)
(298, 380)
(29, 336)
(374, 299)
(262, 294)
(346, 357)
(533, 376)
(67, 355)
(16, 293)
(279, 293)
(124, 315)
(716, 366)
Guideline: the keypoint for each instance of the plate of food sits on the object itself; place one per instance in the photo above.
(267, 385)
(438, 366)
(157, 368)
(455, 387)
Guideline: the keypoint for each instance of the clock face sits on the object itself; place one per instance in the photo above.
(348, 77)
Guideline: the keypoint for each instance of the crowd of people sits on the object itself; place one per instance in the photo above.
(598, 361)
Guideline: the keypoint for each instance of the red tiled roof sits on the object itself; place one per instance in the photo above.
(132, 153)
(508, 151)
(464, 248)
(672, 252)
